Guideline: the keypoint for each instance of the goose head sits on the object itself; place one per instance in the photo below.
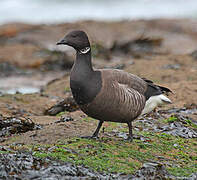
(76, 39)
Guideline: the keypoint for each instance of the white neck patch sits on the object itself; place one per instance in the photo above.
(85, 50)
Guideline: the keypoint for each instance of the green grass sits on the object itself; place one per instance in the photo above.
(187, 122)
(109, 154)
(115, 155)
(61, 113)
(171, 119)
(4, 152)
(67, 89)
(190, 123)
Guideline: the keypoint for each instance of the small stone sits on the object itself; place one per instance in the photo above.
(172, 66)
(175, 145)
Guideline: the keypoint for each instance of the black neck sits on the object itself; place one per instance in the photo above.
(85, 83)
(83, 61)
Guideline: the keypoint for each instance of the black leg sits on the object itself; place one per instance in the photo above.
(95, 135)
(130, 137)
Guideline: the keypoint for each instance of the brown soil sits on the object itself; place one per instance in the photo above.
(171, 66)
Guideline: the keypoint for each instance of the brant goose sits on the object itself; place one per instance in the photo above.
(109, 94)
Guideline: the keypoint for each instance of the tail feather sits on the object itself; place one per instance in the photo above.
(165, 89)
(154, 90)
(155, 101)
(155, 96)
(165, 99)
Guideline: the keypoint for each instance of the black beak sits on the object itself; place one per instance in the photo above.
(63, 41)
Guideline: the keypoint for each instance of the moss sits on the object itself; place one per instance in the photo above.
(67, 89)
(187, 122)
(171, 119)
(190, 123)
(116, 155)
(113, 154)
(182, 171)
(41, 155)
(61, 113)
(4, 152)
(88, 119)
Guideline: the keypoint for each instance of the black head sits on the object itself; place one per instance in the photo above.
(76, 39)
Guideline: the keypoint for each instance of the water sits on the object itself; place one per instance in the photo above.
(21, 90)
(57, 11)
(26, 84)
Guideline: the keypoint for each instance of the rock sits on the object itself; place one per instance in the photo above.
(14, 125)
(67, 104)
(177, 129)
(138, 47)
(172, 66)
(7, 69)
(98, 50)
(23, 165)
(55, 60)
(194, 55)
(192, 177)
(152, 171)
(64, 119)
(178, 122)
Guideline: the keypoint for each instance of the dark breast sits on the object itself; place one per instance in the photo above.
(115, 102)
(85, 87)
